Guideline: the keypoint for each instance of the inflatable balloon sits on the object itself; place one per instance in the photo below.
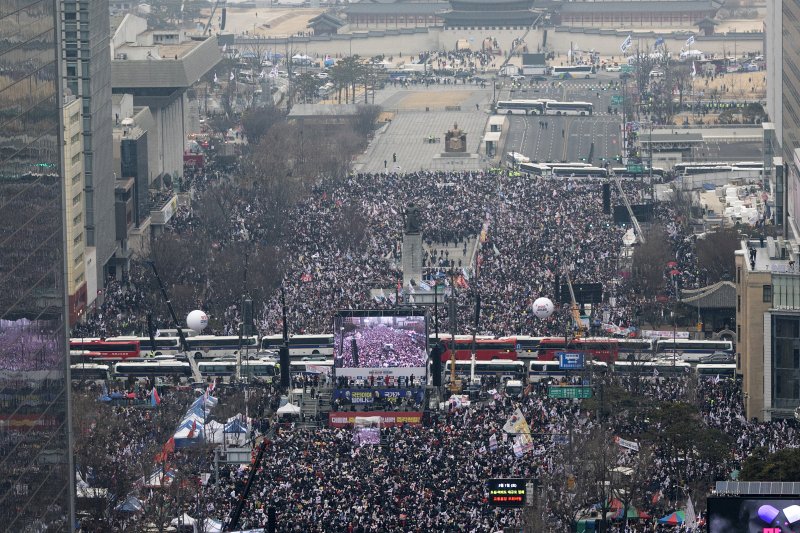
(197, 320)
(543, 307)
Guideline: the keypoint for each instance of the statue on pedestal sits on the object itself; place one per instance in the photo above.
(455, 140)
(413, 224)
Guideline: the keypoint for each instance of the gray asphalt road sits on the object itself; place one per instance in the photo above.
(564, 138)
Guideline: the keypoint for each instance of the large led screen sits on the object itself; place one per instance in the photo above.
(373, 347)
(753, 515)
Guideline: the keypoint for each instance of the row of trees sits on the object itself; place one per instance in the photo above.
(346, 75)
(672, 437)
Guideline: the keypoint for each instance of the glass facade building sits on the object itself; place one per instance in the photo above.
(35, 461)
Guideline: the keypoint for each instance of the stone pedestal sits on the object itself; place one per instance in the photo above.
(412, 258)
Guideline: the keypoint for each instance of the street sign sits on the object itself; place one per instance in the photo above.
(616, 99)
(561, 392)
(636, 169)
(570, 360)
(627, 69)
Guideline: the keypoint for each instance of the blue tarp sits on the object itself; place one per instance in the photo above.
(235, 427)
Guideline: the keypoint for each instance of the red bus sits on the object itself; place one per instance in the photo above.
(486, 348)
(84, 349)
(594, 348)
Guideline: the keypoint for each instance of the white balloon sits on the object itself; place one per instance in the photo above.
(543, 307)
(197, 320)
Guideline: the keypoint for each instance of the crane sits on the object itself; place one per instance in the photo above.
(521, 40)
(576, 314)
(211, 17)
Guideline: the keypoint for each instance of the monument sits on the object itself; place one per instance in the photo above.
(455, 140)
(412, 247)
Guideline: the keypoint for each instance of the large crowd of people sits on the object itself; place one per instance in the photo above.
(433, 475)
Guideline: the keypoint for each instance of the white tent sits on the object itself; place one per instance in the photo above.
(289, 409)
(214, 432)
(184, 520)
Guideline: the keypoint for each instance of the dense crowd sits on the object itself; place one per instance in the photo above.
(431, 476)
(345, 240)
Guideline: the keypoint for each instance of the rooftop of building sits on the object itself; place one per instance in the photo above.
(646, 6)
(771, 255)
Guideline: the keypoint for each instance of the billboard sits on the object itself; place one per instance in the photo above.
(380, 344)
(341, 419)
(371, 395)
(753, 515)
(506, 492)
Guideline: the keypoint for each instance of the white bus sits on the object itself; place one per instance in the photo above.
(536, 169)
(501, 369)
(653, 369)
(569, 108)
(574, 71)
(542, 370)
(143, 369)
(259, 368)
(521, 107)
(712, 371)
(580, 172)
(691, 351)
(211, 346)
(300, 346)
(311, 345)
(89, 371)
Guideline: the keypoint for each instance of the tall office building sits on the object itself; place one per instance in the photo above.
(86, 54)
(782, 33)
(36, 480)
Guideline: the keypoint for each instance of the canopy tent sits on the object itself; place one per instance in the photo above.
(236, 426)
(158, 478)
(184, 520)
(214, 432)
(289, 409)
(633, 513)
(131, 504)
(673, 519)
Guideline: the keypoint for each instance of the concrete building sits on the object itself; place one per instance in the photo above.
(768, 327)
(782, 32)
(151, 72)
(87, 73)
(38, 485)
(72, 163)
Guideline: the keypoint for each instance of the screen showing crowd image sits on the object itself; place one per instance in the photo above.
(380, 342)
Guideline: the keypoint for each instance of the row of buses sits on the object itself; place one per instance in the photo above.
(501, 370)
(538, 371)
(209, 347)
(265, 370)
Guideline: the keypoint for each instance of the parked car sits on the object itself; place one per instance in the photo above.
(613, 68)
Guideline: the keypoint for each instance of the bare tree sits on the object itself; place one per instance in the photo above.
(715, 253)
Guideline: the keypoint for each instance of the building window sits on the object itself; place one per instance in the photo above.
(767, 294)
(76, 178)
(738, 334)
(78, 259)
(80, 279)
(76, 199)
(78, 239)
(738, 275)
(738, 303)
(75, 138)
(78, 219)
(76, 158)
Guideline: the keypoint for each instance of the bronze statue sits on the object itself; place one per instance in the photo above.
(412, 219)
(455, 140)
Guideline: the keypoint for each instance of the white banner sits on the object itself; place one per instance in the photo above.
(663, 334)
(628, 444)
